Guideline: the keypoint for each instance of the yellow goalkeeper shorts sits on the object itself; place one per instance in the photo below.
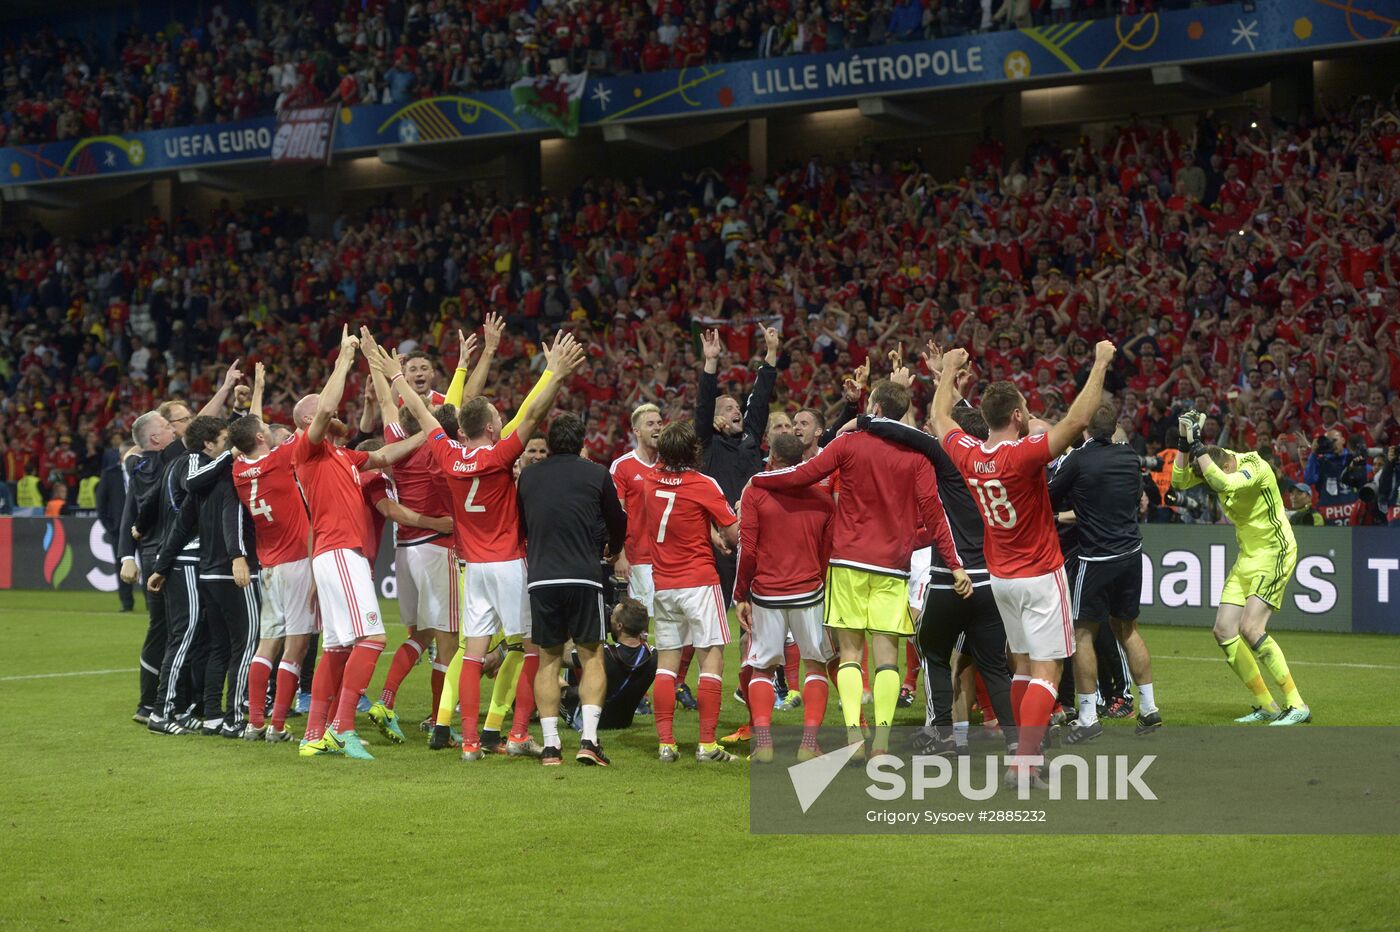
(1264, 575)
(861, 601)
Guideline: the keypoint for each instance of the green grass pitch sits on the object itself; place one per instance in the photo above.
(105, 825)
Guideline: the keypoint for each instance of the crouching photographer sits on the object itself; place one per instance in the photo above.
(630, 665)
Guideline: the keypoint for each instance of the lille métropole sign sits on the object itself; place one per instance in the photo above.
(1061, 51)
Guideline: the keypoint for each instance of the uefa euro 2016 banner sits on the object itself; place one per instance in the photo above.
(1346, 580)
(1055, 51)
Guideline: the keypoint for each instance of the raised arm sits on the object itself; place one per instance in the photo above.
(329, 402)
(476, 382)
(1076, 420)
(756, 412)
(1222, 482)
(945, 396)
(259, 377)
(561, 360)
(216, 402)
(708, 389)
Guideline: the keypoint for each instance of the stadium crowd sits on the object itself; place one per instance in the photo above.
(1246, 271)
(220, 67)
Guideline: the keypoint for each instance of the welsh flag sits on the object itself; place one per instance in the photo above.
(555, 99)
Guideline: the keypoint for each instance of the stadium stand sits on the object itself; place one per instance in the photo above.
(1251, 263)
(217, 68)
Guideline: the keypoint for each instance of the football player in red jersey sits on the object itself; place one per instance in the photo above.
(488, 536)
(680, 504)
(1006, 475)
(266, 483)
(354, 628)
(629, 471)
(884, 491)
(784, 543)
(423, 563)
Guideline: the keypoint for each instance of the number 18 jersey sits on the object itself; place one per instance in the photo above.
(268, 488)
(1008, 482)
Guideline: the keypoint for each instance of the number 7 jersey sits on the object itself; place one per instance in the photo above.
(1008, 482)
(268, 489)
(485, 513)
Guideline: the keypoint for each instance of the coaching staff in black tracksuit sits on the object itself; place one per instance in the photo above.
(156, 439)
(572, 518)
(230, 591)
(175, 573)
(732, 439)
(948, 618)
(1101, 481)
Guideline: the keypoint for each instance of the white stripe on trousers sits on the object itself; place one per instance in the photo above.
(176, 665)
(252, 603)
(1078, 590)
(602, 621)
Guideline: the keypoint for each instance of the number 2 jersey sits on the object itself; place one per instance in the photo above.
(485, 514)
(1008, 482)
(268, 487)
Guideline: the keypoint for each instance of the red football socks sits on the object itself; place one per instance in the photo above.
(792, 661)
(525, 697)
(358, 672)
(288, 680)
(911, 666)
(469, 697)
(405, 658)
(762, 695)
(663, 706)
(815, 691)
(1035, 716)
(325, 686)
(259, 671)
(707, 697)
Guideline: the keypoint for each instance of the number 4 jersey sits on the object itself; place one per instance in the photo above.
(1008, 482)
(485, 515)
(268, 487)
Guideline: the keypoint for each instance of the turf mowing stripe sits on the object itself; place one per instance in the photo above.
(49, 676)
(1291, 662)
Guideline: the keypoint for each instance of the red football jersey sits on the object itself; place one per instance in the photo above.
(268, 489)
(628, 474)
(419, 485)
(1008, 481)
(678, 509)
(485, 514)
(784, 543)
(375, 489)
(885, 490)
(331, 477)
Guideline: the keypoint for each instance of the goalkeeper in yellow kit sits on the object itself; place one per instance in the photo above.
(1248, 492)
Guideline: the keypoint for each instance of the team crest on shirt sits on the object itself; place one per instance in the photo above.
(372, 617)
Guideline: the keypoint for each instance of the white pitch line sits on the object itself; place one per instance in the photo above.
(1291, 662)
(49, 676)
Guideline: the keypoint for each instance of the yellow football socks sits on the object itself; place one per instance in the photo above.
(1271, 656)
(850, 686)
(1241, 660)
